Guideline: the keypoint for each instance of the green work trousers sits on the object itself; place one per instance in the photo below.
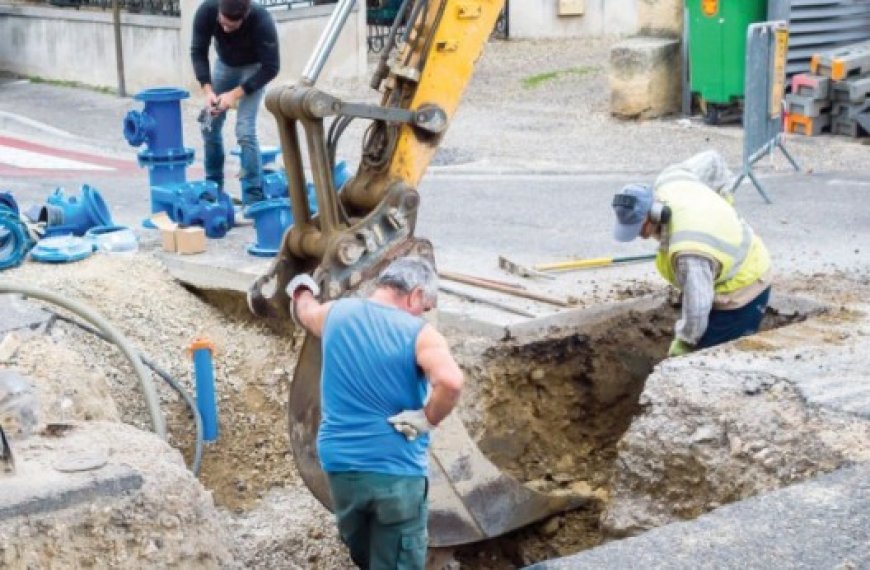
(382, 519)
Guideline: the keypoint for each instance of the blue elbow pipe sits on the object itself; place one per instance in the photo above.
(201, 350)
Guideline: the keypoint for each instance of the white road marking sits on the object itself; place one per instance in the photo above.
(28, 159)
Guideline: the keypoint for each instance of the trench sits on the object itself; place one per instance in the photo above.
(548, 411)
(551, 412)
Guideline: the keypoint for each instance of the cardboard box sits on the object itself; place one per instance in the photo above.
(177, 239)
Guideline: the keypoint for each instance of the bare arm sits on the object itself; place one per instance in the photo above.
(310, 312)
(434, 358)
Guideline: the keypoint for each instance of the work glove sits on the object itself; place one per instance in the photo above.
(296, 285)
(679, 348)
(411, 423)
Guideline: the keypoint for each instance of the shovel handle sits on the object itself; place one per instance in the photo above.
(592, 262)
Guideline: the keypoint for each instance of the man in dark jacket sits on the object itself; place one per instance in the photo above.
(246, 42)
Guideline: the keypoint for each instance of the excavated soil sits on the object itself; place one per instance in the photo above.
(551, 413)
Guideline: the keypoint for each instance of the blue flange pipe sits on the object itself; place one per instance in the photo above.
(166, 158)
(197, 203)
(73, 215)
(201, 351)
(271, 219)
(273, 216)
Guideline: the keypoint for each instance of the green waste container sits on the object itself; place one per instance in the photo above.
(717, 49)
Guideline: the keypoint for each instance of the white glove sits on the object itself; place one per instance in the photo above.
(301, 281)
(411, 423)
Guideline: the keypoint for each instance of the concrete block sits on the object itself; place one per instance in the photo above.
(847, 61)
(849, 110)
(663, 18)
(807, 126)
(847, 127)
(811, 85)
(645, 77)
(806, 106)
(852, 90)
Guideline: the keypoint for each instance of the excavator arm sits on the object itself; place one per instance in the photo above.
(421, 76)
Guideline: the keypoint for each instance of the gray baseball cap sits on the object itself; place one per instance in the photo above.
(631, 205)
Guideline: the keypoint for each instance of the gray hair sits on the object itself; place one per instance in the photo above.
(407, 273)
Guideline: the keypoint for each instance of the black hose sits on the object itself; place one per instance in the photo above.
(188, 399)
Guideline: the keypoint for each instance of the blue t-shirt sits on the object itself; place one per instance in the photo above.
(370, 373)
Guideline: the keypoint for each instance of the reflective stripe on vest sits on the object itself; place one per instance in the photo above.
(738, 254)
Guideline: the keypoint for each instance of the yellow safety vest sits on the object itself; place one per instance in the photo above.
(703, 223)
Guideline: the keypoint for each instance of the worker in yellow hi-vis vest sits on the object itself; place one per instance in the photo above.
(706, 250)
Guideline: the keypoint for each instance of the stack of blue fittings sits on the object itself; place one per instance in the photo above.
(166, 158)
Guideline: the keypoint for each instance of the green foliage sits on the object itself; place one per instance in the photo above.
(536, 81)
(72, 84)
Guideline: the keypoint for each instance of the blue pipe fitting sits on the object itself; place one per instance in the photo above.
(159, 125)
(64, 215)
(15, 240)
(62, 249)
(166, 158)
(196, 203)
(271, 219)
(203, 368)
(274, 215)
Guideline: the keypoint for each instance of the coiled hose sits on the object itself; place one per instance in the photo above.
(188, 399)
(158, 423)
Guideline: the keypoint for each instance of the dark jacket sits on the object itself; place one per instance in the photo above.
(256, 41)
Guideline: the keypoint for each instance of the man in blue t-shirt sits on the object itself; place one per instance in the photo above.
(388, 378)
(246, 42)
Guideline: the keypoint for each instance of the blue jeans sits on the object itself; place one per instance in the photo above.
(225, 78)
(382, 519)
(728, 325)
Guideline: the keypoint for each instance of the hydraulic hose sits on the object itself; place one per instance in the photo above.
(188, 399)
(158, 423)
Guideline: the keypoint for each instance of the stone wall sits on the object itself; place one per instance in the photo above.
(70, 45)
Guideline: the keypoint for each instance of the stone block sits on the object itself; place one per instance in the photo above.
(852, 90)
(806, 106)
(645, 77)
(663, 18)
(807, 126)
(811, 85)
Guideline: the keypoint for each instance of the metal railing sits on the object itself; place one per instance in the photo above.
(169, 7)
(155, 7)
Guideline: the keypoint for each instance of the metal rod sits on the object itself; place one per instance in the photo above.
(326, 42)
(484, 301)
(503, 289)
(119, 50)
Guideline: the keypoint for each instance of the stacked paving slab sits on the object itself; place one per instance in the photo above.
(835, 96)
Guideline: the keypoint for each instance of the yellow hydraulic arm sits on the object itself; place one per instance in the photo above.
(421, 78)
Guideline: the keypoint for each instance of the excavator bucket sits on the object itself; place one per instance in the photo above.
(470, 499)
